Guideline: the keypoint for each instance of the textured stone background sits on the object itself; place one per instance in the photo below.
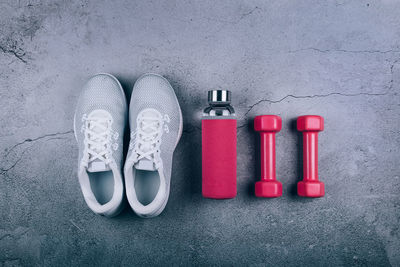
(339, 59)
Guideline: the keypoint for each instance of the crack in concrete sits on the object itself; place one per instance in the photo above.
(308, 96)
(5, 170)
(233, 22)
(392, 72)
(344, 51)
(29, 140)
(390, 86)
(247, 14)
(13, 52)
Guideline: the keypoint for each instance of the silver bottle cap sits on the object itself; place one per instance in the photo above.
(219, 97)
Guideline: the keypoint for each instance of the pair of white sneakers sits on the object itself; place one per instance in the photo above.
(155, 120)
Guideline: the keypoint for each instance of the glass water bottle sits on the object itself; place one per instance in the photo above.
(218, 132)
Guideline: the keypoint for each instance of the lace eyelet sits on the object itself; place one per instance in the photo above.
(166, 129)
(166, 118)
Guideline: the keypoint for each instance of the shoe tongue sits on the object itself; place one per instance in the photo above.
(98, 166)
(145, 165)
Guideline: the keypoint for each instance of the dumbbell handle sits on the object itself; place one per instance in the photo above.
(310, 156)
(268, 156)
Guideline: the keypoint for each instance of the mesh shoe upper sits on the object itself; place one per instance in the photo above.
(153, 94)
(102, 92)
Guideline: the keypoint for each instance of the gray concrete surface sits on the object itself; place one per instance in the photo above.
(339, 59)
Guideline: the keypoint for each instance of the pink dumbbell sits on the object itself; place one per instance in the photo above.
(310, 125)
(268, 125)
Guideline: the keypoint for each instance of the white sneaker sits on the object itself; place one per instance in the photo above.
(99, 124)
(155, 120)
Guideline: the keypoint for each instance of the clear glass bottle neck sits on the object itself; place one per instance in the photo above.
(219, 110)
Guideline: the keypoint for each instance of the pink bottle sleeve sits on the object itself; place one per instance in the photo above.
(219, 158)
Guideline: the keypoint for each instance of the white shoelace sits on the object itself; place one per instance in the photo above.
(98, 133)
(146, 139)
